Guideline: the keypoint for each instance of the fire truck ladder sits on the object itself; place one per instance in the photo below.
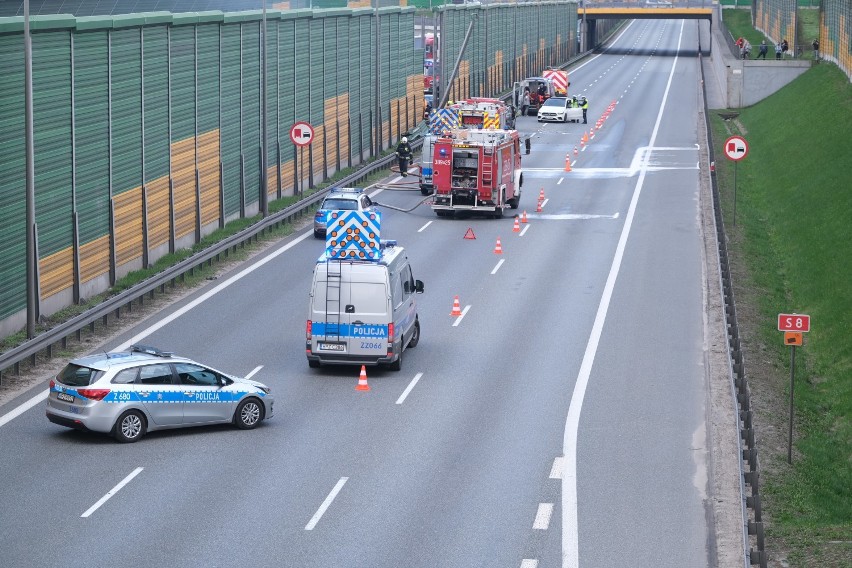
(487, 170)
(333, 287)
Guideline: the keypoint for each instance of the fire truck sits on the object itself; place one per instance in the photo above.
(485, 113)
(473, 113)
(560, 80)
(477, 170)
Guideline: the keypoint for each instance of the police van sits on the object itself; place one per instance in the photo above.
(362, 308)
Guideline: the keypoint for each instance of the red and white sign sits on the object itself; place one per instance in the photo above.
(794, 322)
(301, 133)
(736, 148)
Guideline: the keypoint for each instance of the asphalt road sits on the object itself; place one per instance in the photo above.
(559, 422)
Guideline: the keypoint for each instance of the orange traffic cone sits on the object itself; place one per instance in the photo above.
(575, 151)
(517, 227)
(585, 136)
(498, 249)
(567, 162)
(524, 217)
(538, 208)
(362, 380)
(541, 195)
(456, 307)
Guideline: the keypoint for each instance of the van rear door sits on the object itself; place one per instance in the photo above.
(368, 316)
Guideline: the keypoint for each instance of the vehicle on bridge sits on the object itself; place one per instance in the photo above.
(477, 171)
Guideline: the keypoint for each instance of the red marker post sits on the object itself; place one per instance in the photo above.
(793, 326)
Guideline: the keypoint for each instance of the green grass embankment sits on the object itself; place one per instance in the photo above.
(793, 242)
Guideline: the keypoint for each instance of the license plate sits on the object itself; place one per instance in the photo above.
(64, 396)
(332, 347)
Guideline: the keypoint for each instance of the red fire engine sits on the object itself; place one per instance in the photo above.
(477, 170)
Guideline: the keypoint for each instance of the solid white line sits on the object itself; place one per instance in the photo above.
(325, 504)
(570, 528)
(499, 264)
(556, 469)
(256, 369)
(420, 230)
(459, 318)
(112, 492)
(529, 563)
(524, 230)
(408, 389)
(11, 415)
(542, 516)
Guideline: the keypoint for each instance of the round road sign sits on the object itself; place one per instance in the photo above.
(736, 148)
(301, 133)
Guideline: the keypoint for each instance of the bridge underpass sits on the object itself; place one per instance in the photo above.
(589, 13)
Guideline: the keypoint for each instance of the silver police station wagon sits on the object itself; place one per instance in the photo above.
(144, 389)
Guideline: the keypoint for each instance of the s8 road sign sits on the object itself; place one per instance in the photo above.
(794, 322)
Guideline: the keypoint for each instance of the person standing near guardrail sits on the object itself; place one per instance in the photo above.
(778, 50)
(815, 45)
(403, 154)
(763, 49)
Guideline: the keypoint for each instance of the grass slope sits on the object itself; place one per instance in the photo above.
(793, 235)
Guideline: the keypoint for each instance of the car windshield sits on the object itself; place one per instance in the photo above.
(337, 204)
(553, 102)
(77, 376)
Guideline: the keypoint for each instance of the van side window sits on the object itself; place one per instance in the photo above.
(408, 285)
(396, 285)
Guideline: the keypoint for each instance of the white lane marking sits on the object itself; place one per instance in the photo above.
(544, 201)
(571, 216)
(12, 414)
(409, 388)
(570, 528)
(459, 318)
(256, 369)
(542, 516)
(421, 229)
(560, 180)
(112, 492)
(325, 504)
(499, 264)
(556, 469)
(529, 563)
(524, 230)
(210, 293)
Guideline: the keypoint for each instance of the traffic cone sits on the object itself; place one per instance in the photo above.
(575, 151)
(456, 307)
(362, 380)
(524, 217)
(541, 195)
(517, 227)
(585, 136)
(498, 249)
(567, 162)
(538, 209)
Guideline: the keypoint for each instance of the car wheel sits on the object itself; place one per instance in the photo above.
(318, 235)
(313, 364)
(129, 427)
(415, 338)
(424, 191)
(397, 365)
(249, 414)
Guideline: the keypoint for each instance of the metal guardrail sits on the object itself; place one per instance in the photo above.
(44, 343)
(753, 530)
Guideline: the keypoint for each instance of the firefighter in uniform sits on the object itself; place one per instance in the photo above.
(403, 154)
(584, 103)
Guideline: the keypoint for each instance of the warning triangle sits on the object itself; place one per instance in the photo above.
(469, 234)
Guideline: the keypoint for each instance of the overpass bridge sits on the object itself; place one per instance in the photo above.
(590, 11)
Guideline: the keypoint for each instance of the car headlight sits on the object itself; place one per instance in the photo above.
(265, 389)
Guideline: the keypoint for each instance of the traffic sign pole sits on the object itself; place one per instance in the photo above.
(736, 148)
(792, 383)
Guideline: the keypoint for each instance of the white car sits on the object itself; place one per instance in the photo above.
(556, 109)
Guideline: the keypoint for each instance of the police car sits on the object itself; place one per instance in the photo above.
(341, 199)
(144, 389)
